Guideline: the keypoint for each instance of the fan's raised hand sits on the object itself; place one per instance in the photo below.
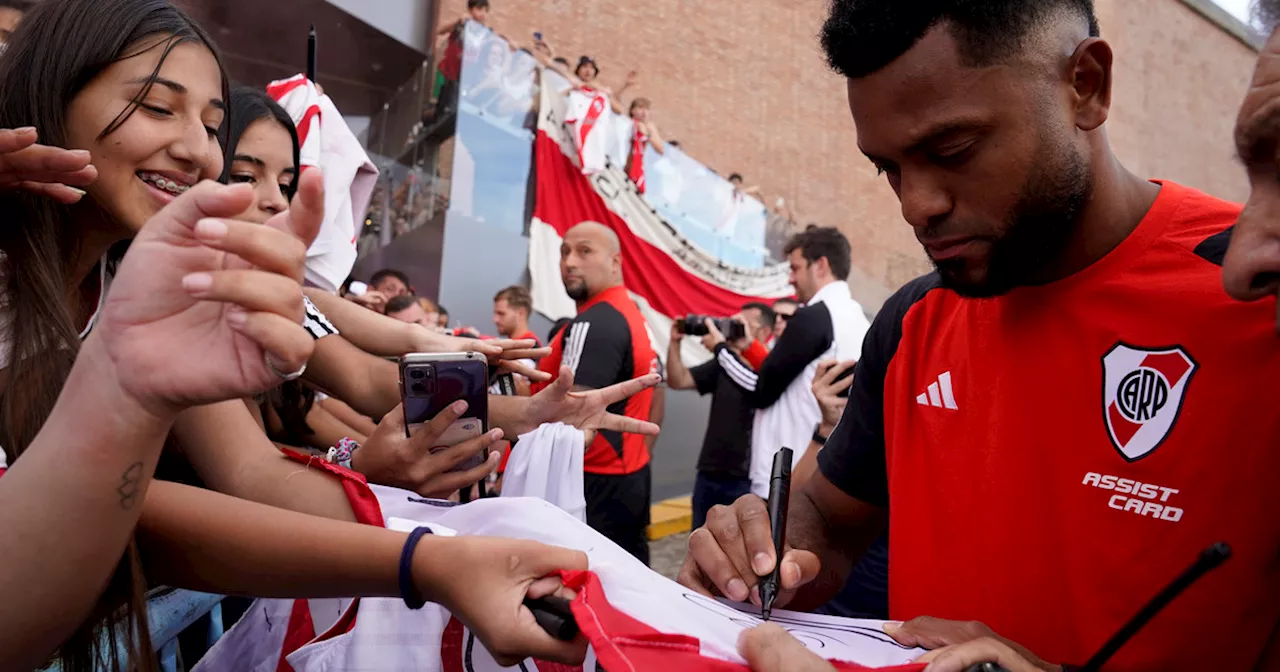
(204, 308)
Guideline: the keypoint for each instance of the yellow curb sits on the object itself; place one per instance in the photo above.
(672, 516)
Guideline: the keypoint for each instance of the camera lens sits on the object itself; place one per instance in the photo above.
(419, 388)
(417, 373)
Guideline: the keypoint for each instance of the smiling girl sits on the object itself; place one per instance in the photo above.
(138, 87)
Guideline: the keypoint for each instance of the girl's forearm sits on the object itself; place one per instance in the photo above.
(376, 334)
(203, 540)
(69, 506)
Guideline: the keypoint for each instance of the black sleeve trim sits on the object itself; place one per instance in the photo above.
(808, 335)
(853, 458)
(1214, 248)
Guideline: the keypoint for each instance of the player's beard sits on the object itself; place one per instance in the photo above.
(578, 292)
(1044, 219)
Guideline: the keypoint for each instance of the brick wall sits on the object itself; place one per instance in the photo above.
(743, 86)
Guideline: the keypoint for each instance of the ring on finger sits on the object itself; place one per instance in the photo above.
(271, 366)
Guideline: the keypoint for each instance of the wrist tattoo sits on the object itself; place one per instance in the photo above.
(130, 485)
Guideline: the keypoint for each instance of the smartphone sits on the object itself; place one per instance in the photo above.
(845, 393)
(537, 36)
(430, 382)
(357, 288)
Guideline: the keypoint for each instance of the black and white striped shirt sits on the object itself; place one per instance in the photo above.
(315, 322)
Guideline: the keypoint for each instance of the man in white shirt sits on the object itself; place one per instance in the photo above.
(830, 325)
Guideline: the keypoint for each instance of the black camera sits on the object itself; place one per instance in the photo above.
(695, 325)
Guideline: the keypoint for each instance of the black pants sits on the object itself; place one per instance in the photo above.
(711, 489)
(618, 508)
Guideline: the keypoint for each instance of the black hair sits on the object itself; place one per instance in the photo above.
(398, 303)
(442, 311)
(767, 316)
(472, 4)
(556, 328)
(20, 5)
(561, 60)
(734, 176)
(291, 401)
(587, 60)
(673, 143)
(390, 273)
(247, 106)
(861, 37)
(823, 241)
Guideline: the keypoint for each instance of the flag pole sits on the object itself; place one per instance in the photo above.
(311, 54)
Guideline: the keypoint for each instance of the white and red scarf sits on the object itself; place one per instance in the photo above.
(587, 114)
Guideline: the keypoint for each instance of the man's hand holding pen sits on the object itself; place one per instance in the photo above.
(734, 550)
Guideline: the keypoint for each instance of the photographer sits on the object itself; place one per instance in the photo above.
(829, 325)
(723, 465)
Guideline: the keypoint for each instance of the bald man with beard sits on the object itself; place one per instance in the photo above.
(607, 343)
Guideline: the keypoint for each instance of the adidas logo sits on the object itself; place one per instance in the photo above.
(939, 394)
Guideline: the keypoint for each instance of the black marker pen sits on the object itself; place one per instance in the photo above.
(554, 615)
(779, 498)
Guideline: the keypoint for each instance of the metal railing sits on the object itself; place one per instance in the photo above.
(463, 144)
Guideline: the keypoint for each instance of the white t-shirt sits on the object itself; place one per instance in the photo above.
(6, 324)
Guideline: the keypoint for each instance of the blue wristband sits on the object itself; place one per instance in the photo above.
(408, 592)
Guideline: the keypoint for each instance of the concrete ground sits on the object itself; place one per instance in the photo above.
(667, 554)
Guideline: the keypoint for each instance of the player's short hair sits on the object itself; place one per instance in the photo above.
(767, 316)
(640, 102)
(473, 4)
(389, 273)
(516, 297)
(735, 176)
(860, 37)
(399, 303)
(823, 241)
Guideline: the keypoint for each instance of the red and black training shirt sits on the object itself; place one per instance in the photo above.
(1053, 457)
(608, 343)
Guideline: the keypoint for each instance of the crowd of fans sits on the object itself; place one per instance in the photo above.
(166, 372)
(509, 86)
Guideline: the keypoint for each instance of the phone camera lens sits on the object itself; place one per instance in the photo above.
(417, 373)
(419, 388)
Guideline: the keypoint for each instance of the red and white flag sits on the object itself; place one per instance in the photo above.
(588, 113)
(349, 177)
(667, 275)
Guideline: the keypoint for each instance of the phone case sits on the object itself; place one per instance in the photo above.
(429, 383)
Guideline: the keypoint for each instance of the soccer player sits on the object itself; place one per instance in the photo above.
(607, 343)
(1057, 421)
(511, 309)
